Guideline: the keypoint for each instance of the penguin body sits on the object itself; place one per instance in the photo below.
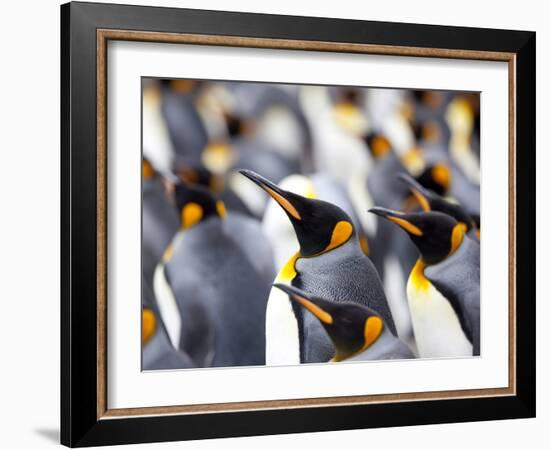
(437, 329)
(230, 287)
(216, 279)
(458, 279)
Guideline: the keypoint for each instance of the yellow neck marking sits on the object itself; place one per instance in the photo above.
(288, 272)
(417, 277)
(285, 204)
(406, 225)
(148, 325)
(191, 214)
(341, 233)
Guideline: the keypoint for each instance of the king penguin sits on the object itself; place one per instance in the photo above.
(357, 332)
(330, 263)
(214, 282)
(443, 286)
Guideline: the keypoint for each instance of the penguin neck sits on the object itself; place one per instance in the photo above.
(350, 248)
(417, 276)
(378, 347)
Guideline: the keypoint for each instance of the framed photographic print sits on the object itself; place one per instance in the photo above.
(277, 224)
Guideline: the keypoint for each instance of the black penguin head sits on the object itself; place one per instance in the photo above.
(378, 144)
(437, 178)
(430, 201)
(320, 226)
(352, 328)
(436, 235)
(195, 204)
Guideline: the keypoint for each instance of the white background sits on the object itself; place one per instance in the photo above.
(29, 230)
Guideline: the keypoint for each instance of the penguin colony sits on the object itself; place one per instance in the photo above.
(286, 224)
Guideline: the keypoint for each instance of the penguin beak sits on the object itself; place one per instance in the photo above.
(279, 195)
(398, 218)
(310, 304)
(417, 191)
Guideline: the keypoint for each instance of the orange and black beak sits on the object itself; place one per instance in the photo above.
(410, 222)
(282, 197)
(315, 306)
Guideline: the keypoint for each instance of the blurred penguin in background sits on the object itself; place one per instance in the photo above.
(158, 352)
(187, 131)
(214, 281)
(159, 221)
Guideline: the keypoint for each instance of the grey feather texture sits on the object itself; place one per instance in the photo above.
(344, 274)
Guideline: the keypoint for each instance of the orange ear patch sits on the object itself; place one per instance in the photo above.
(191, 214)
(340, 234)
(373, 330)
(148, 325)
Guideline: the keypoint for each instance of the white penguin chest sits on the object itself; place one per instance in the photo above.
(436, 326)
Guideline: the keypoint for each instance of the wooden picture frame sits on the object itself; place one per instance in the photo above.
(85, 30)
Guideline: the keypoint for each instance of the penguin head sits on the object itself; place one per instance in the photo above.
(196, 204)
(435, 235)
(352, 328)
(320, 226)
(436, 178)
(378, 144)
(430, 201)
